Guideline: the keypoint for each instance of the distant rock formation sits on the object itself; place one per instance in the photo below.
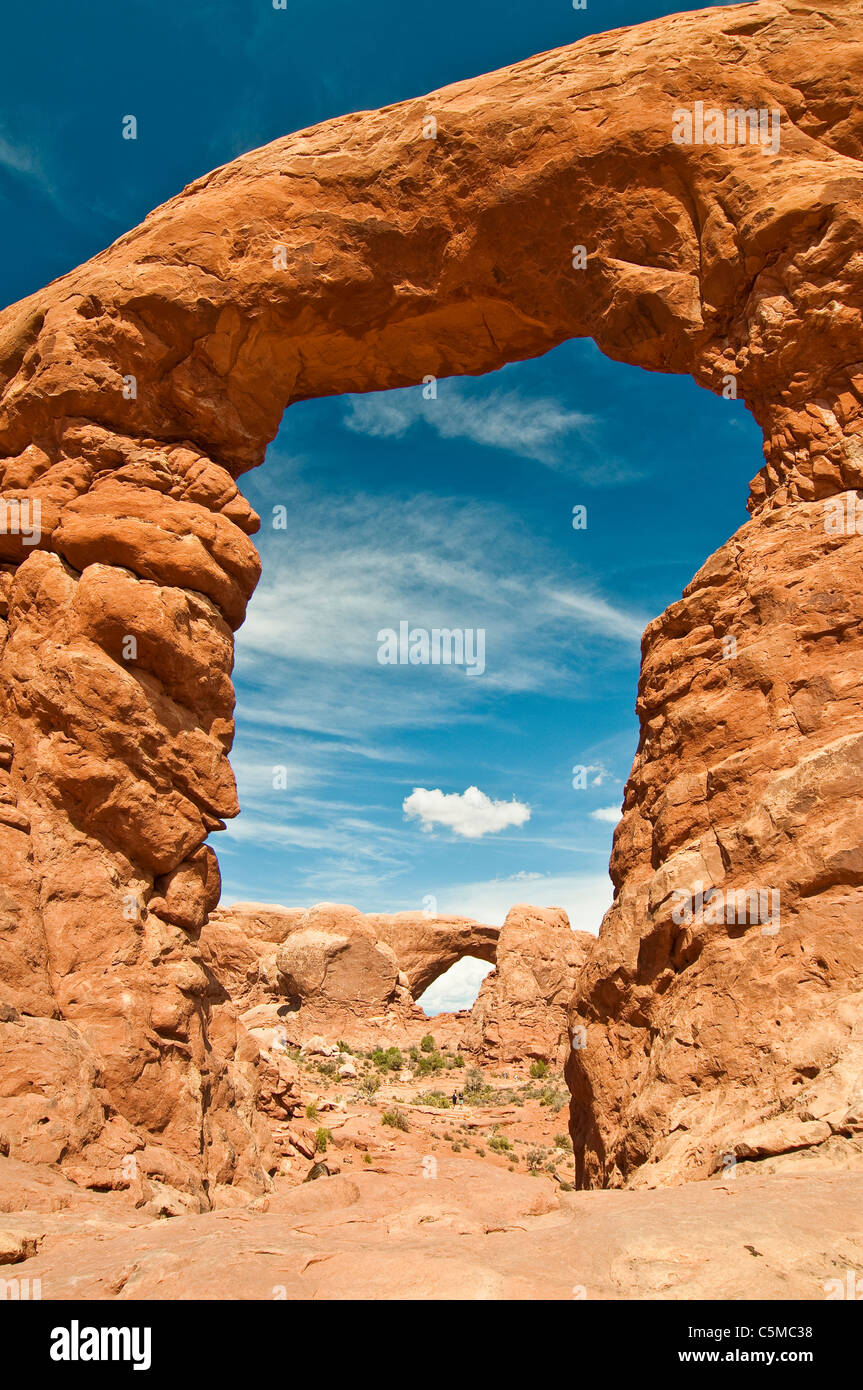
(553, 202)
(332, 971)
(522, 1006)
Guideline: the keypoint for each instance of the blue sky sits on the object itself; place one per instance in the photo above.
(455, 512)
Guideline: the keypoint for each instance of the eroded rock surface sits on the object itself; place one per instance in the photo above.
(360, 255)
(385, 1232)
(732, 1029)
(522, 1006)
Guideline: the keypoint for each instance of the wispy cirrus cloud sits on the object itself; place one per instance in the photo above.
(536, 427)
(19, 158)
(344, 568)
(26, 160)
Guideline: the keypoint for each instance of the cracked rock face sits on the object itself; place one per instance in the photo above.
(359, 255)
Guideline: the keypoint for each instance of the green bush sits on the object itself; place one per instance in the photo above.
(396, 1119)
(475, 1091)
(499, 1143)
(553, 1098)
(562, 1141)
(458, 1060)
(321, 1138)
(435, 1098)
(369, 1085)
(430, 1063)
(427, 1043)
(538, 1070)
(389, 1059)
(311, 1110)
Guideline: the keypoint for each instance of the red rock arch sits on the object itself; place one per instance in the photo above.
(356, 256)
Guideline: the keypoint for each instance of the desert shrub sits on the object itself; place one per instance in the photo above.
(311, 1110)
(367, 1158)
(327, 1067)
(427, 1043)
(473, 1082)
(389, 1059)
(458, 1060)
(322, 1137)
(475, 1091)
(435, 1098)
(562, 1141)
(535, 1158)
(345, 1047)
(429, 1064)
(553, 1098)
(396, 1119)
(369, 1085)
(538, 1070)
(499, 1143)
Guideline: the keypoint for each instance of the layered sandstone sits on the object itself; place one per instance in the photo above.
(361, 255)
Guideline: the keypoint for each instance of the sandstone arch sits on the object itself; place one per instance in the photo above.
(426, 947)
(404, 257)
(339, 968)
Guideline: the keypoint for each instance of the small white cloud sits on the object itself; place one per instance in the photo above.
(611, 814)
(470, 814)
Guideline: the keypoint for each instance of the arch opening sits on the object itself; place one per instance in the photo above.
(456, 988)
